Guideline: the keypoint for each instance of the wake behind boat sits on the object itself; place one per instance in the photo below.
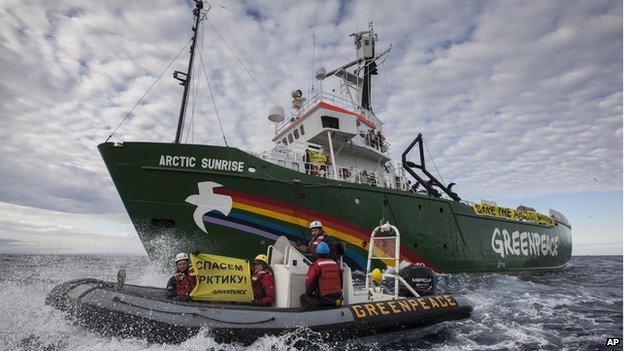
(145, 312)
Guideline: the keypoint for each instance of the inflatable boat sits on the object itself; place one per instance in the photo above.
(116, 308)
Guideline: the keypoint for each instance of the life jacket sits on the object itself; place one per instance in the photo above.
(185, 281)
(256, 284)
(329, 280)
(314, 243)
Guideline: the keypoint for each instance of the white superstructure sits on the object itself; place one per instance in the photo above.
(338, 138)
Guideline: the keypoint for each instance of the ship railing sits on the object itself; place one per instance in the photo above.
(354, 175)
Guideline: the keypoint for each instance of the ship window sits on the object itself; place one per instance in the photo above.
(302, 130)
(296, 133)
(330, 122)
(284, 141)
(295, 166)
(290, 138)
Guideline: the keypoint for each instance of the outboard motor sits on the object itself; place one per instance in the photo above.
(421, 279)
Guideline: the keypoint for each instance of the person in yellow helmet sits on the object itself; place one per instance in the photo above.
(262, 282)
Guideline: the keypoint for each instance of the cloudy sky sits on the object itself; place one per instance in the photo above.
(519, 101)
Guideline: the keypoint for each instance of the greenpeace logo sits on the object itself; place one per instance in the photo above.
(524, 243)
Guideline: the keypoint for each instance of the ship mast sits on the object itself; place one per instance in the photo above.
(365, 46)
(366, 62)
(184, 78)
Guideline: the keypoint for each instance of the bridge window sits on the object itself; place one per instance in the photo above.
(290, 138)
(284, 141)
(296, 133)
(330, 122)
(302, 130)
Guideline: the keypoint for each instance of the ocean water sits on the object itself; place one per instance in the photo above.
(576, 308)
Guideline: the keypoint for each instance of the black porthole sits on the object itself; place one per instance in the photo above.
(444, 246)
(441, 210)
(415, 245)
(419, 207)
(364, 243)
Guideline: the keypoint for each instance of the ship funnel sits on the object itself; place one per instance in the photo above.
(276, 114)
(320, 74)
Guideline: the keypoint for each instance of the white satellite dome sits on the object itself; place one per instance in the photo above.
(276, 114)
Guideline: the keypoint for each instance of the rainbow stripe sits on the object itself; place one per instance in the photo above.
(270, 219)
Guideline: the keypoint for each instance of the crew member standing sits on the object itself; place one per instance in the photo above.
(183, 280)
(262, 282)
(323, 281)
(336, 249)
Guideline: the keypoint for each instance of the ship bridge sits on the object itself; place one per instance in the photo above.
(337, 137)
(329, 138)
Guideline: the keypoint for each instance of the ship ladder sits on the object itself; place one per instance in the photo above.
(385, 244)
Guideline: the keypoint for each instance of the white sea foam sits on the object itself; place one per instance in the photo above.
(572, 309)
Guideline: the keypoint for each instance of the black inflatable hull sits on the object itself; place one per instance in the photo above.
(144, 312)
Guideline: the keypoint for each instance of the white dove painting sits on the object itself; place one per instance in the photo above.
(207, 201)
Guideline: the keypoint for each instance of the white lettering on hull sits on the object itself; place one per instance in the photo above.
(205, 163)
(525, 244)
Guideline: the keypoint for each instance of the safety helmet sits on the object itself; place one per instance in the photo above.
(262, 257)
(377, 275)
(322, 248)
(316, 224)
(181, 256)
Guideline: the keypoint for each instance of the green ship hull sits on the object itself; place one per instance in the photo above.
(183, 197)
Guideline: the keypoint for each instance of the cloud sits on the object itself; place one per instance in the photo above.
(515, 99)
(31, 230)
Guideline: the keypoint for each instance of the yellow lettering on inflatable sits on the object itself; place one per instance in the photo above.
(371, 309)
(423, 303)
(221, 278)
(433, 303)
(441, 301)
(451, 301)
(504, 212)
(394, 307)
(359, 311)
(382, 308)
(405, 305)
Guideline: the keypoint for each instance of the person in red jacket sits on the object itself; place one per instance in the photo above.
(183, 280)
(323, 281)
(262, 282)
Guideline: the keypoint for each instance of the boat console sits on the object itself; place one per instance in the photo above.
(290, 267)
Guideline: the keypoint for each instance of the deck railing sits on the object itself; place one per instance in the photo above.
(355, 175)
